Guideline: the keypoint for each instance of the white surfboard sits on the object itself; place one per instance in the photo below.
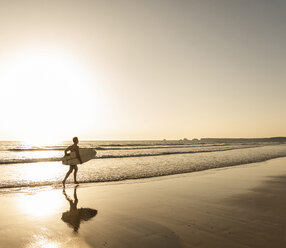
(86, 154)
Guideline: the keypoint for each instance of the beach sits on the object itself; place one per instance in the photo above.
(142, 124)
(239, 206)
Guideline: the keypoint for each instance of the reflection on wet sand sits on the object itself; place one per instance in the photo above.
(74, 216)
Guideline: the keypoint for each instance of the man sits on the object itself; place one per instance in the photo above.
(73, 148)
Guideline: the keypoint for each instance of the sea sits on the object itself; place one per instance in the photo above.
(25, 166)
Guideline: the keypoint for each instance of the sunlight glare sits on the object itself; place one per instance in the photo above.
(41, 141)
(42, 204)
(43, 93)
(43, 242)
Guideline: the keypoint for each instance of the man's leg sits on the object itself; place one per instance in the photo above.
(75, 172)
(67, 175)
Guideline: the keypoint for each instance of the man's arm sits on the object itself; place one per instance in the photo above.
(68, 149)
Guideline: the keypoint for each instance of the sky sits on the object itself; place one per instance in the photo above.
(152, 69)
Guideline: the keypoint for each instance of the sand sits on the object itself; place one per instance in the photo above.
(240, 206)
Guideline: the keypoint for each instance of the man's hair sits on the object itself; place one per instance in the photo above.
(75, 139)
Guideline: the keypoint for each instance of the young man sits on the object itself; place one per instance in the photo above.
(73, 148)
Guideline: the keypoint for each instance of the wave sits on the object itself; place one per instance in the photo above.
(155, 147)
(148, 168)
(34, 149)
(109, 147)
(31, 160)
(170, 153)
(98, 148)
(110, 156)
(128, 146)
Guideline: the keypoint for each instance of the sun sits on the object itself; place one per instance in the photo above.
(46, 94)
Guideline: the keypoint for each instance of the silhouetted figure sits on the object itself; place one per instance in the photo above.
(73, 148)
(74, 216)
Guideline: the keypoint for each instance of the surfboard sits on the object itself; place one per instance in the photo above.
(86, 154)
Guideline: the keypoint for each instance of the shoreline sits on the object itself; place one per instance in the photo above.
(112, 170)
(236, 206)
(58, 185)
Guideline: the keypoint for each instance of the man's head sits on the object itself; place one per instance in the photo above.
(75, 140)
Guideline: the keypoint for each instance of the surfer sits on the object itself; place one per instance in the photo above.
(73, 148)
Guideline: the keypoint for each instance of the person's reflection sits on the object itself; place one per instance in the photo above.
(74, 216)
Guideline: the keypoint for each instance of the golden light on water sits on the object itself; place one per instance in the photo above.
(41, 142)
(42, 204)
(42, 172)
(43, 243)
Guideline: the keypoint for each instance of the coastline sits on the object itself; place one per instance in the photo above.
(119, 169)
(239, 206)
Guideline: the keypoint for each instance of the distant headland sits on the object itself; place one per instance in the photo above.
(229, 140)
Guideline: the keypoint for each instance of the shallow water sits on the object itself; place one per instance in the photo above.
(160, 160)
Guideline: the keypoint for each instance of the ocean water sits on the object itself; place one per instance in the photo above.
(23, 165)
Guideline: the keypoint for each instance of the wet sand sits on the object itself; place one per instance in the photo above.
(241, 206)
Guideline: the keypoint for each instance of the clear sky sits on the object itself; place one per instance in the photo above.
(149, 69)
